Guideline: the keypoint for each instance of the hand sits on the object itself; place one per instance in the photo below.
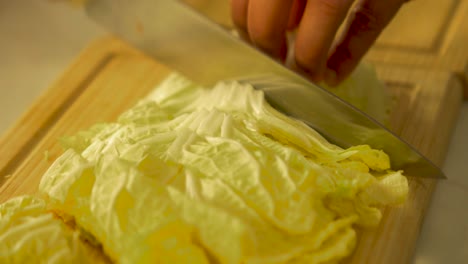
(317, 54)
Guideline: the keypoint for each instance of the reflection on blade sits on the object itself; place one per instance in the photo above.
(191, 44)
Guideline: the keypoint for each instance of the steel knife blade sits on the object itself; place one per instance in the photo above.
(191, 44)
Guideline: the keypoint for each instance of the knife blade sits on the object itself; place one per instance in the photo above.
(191, 44)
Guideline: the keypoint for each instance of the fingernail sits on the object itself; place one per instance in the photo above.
(330, 77)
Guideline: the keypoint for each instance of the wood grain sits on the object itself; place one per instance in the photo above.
(110, 77)
(424, 113)
(107, 78)
(429, 34)
(32, 126)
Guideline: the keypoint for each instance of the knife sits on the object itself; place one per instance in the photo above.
(191, 44)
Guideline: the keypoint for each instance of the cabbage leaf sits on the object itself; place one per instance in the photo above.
(192, 175)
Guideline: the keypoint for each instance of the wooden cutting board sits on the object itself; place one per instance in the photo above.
(429, 34)
(110, 77)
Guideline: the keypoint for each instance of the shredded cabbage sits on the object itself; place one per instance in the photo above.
(192, 175)
(31, 234)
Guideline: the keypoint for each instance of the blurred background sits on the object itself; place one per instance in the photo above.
(428, 39)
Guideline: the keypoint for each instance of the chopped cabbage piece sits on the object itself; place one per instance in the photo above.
(31, 234)
(195, 175)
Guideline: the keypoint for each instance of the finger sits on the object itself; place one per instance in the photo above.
(317, 29)
(239, 16)
(364, 25)
(295, 15)
(239, 13)
(267, 22)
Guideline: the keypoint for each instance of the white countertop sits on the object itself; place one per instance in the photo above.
(38, 40)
